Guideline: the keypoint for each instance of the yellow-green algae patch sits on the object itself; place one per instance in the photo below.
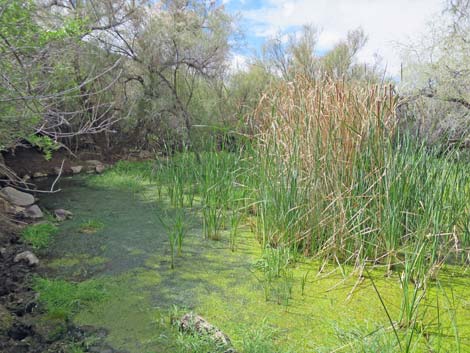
(232, 298)
(225, 288)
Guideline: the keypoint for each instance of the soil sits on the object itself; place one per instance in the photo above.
(27, 161)
(16, 295)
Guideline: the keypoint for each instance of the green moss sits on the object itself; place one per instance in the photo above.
(39, 236)
(62, 299)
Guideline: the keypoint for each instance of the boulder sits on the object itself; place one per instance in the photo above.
(28, 257)
(6, 320)
(33, 212)
(196, 324)
(61, 214)
(76, 169)
(16, 197)
(100, 168)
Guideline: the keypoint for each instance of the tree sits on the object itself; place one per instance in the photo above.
(168, 49)
(436, 77)
(297, 54)
(46, 97)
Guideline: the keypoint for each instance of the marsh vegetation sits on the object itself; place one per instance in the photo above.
(307, 203)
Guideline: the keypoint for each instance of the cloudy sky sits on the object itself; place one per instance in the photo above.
(386, 22)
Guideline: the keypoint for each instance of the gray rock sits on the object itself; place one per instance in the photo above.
(6, 320)
(58, 170)
(16, 197)
(61, 214)
(76, 169)
(195, 324)
(33, 212)
(28, 257)
(37, 175)
(100, 168)
(93, 162)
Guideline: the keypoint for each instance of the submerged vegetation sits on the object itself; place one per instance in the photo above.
(39, 236)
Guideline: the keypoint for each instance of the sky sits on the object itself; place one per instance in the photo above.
(386, 23)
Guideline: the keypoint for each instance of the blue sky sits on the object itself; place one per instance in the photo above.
(386, 22)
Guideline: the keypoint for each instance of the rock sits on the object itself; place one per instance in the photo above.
(28, 257)
(61, 214)
(146, 155)
(100, 168)
(33, 212)
(76, 169)
(93, 162)
(7, 208)
(196, 324)
(39, 175)
(16, 197)
(58, 170)
(6, 320)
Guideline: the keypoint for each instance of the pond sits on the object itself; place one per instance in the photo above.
(313, 308)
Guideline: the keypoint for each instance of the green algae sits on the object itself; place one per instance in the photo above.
(72, 261)
(336, 308)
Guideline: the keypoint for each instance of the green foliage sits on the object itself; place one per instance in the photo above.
(91, 226)
(260, 339)
(45, 144)
(62, 299)
(39, 236)
(74, 348)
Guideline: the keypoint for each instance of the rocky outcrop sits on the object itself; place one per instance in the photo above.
(16, 197)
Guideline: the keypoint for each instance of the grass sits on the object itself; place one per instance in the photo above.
(62, 299)
(177, 229)
(91, 226)
(39, 236)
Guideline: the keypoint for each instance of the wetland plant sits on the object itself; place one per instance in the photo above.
(40, 235)
(176, 229)
(235, 218)
(91, 226)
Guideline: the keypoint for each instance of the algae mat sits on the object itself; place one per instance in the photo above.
(129, 254)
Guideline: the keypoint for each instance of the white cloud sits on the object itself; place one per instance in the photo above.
(238, 63)
(386, 22)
